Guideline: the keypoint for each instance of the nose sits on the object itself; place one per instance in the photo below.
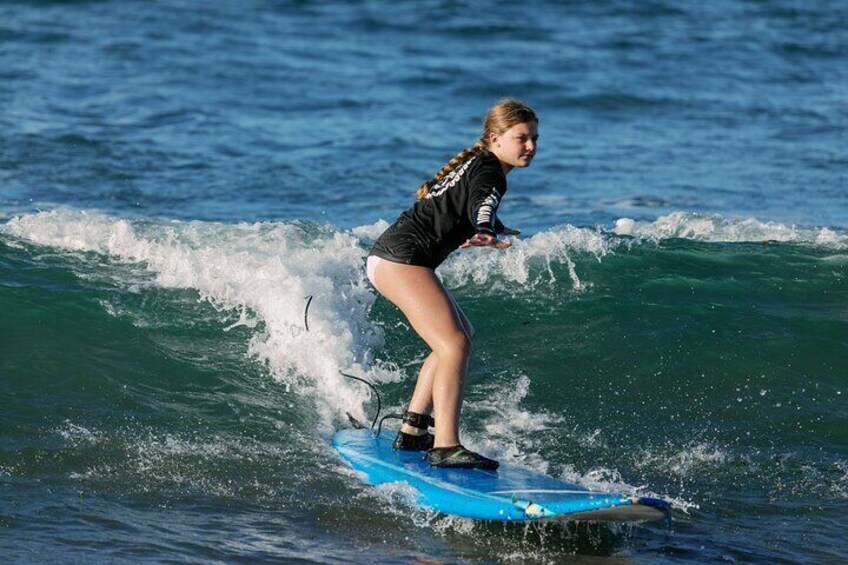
(531, 146)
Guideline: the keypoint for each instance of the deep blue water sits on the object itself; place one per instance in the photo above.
(177, 177)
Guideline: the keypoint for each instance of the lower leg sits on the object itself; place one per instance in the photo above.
(448, 384)
(422, 396)
(440, 385)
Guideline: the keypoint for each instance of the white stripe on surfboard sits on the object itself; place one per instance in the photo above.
(554, 491)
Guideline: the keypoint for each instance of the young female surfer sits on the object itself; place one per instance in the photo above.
(455, 209)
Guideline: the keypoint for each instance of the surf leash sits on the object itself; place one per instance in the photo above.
(306, 312)
(379, 424)
(354, 422)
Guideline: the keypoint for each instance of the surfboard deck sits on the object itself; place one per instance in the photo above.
(508, 494)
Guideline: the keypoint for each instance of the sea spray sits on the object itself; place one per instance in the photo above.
(528, 262)
(268, 270)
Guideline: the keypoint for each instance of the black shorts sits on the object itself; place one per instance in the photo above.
(404, 243)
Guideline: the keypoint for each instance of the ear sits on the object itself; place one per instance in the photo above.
(493, 139)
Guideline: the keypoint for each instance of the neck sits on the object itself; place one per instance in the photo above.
(506, 168)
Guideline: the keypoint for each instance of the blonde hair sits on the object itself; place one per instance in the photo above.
(505, 114)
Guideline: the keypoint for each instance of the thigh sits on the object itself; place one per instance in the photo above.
(425, 302)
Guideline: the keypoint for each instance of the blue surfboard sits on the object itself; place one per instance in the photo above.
(508, 494)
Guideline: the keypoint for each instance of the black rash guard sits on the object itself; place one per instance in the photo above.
(465, 202)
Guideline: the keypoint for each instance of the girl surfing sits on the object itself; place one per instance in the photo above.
(455, 209)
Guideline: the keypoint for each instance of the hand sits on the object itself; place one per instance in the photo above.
(485, 240)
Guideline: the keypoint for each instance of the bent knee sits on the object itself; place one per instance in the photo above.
(458, 343)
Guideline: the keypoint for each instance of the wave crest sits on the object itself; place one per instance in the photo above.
(716, 228)
(265, 271)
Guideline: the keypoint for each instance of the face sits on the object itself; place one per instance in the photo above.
(516, 147)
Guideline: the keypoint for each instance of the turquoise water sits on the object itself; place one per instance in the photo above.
(177, 179)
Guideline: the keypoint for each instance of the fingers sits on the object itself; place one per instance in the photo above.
(479, 240)
(485, 240)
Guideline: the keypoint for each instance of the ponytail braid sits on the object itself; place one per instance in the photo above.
(460, 158)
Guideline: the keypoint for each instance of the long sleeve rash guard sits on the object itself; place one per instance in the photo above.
(465, 202)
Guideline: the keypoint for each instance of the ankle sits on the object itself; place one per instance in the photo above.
(451, 442)
(445, 447)
(412, 431)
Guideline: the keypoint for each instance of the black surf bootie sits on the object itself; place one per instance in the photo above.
(412, 442)
(457, 457)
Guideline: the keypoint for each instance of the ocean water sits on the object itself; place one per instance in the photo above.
(177, 179)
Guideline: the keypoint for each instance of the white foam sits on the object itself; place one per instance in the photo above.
(693, 457)
(610, 480)
(265, 271)
(78, 435)
(716, 228)
(839, 487)
(475, 265)
(150, 460)
(509, 429)
(372, 231)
